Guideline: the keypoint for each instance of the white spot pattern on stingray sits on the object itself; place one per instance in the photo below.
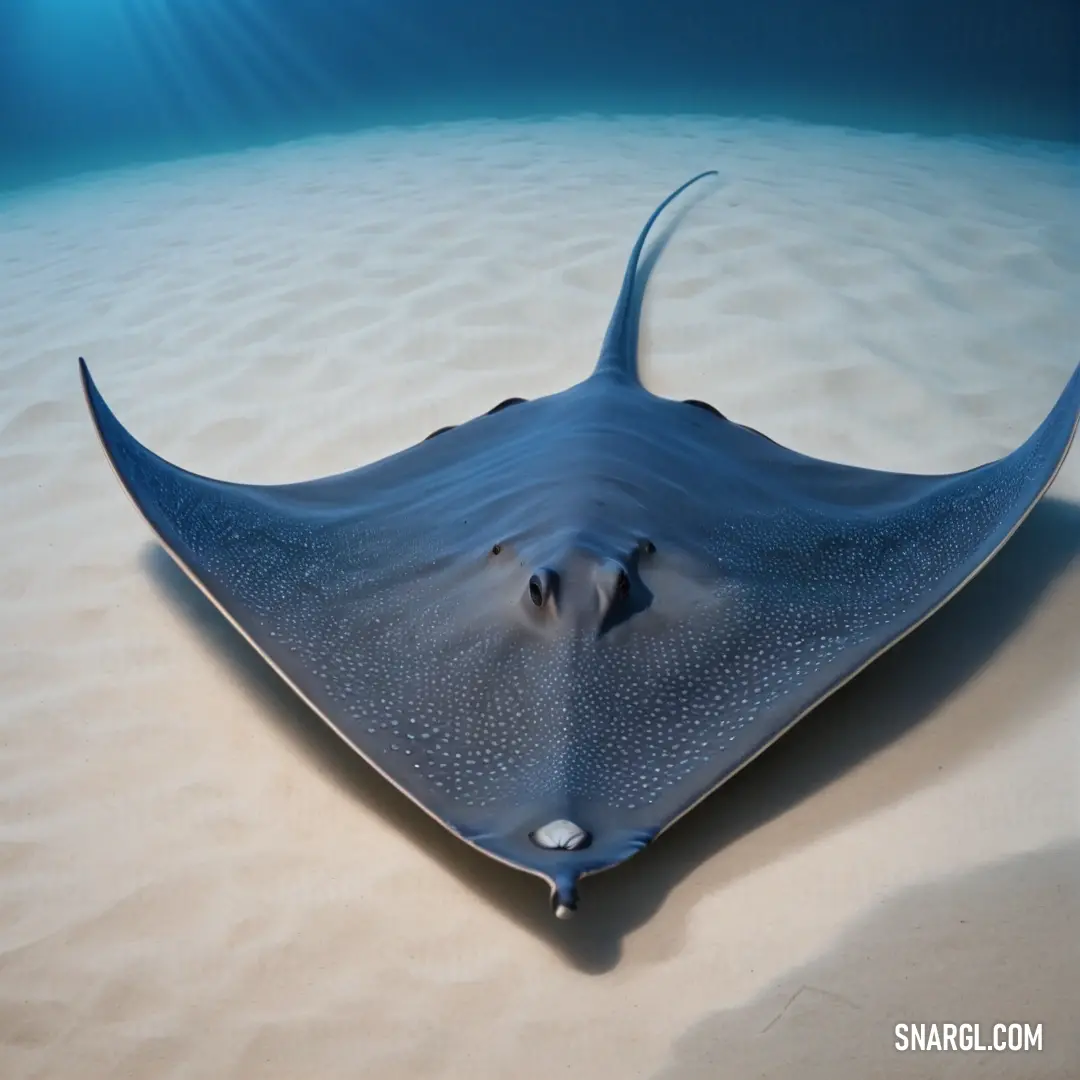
(490, 715)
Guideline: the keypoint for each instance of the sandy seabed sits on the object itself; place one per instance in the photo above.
(198, 880)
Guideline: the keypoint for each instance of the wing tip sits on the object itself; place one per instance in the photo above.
(94, 401)
(117, 442)
(85, 378)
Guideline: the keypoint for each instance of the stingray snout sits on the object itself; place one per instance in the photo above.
(564, 895)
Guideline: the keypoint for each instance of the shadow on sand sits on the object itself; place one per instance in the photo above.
(996, 945)
(899, 692)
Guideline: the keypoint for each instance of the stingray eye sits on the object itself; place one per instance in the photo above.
(496, 548)
(536, 590)
(648, 547)
(622, 584)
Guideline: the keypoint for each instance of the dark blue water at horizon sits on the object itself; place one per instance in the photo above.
(90, 83)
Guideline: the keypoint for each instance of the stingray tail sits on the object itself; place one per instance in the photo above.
(617, 355)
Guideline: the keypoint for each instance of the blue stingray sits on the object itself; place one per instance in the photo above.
(561, 625)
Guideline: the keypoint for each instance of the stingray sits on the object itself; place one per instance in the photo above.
(559, 626)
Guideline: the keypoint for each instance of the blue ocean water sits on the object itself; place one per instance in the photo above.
(86, 83)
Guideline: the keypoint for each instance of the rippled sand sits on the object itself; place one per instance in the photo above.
(197, 880)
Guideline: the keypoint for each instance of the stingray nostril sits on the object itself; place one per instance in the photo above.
(542, 587)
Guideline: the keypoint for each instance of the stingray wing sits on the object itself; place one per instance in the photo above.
(820, 568)
(372, 595)
(368, 591)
